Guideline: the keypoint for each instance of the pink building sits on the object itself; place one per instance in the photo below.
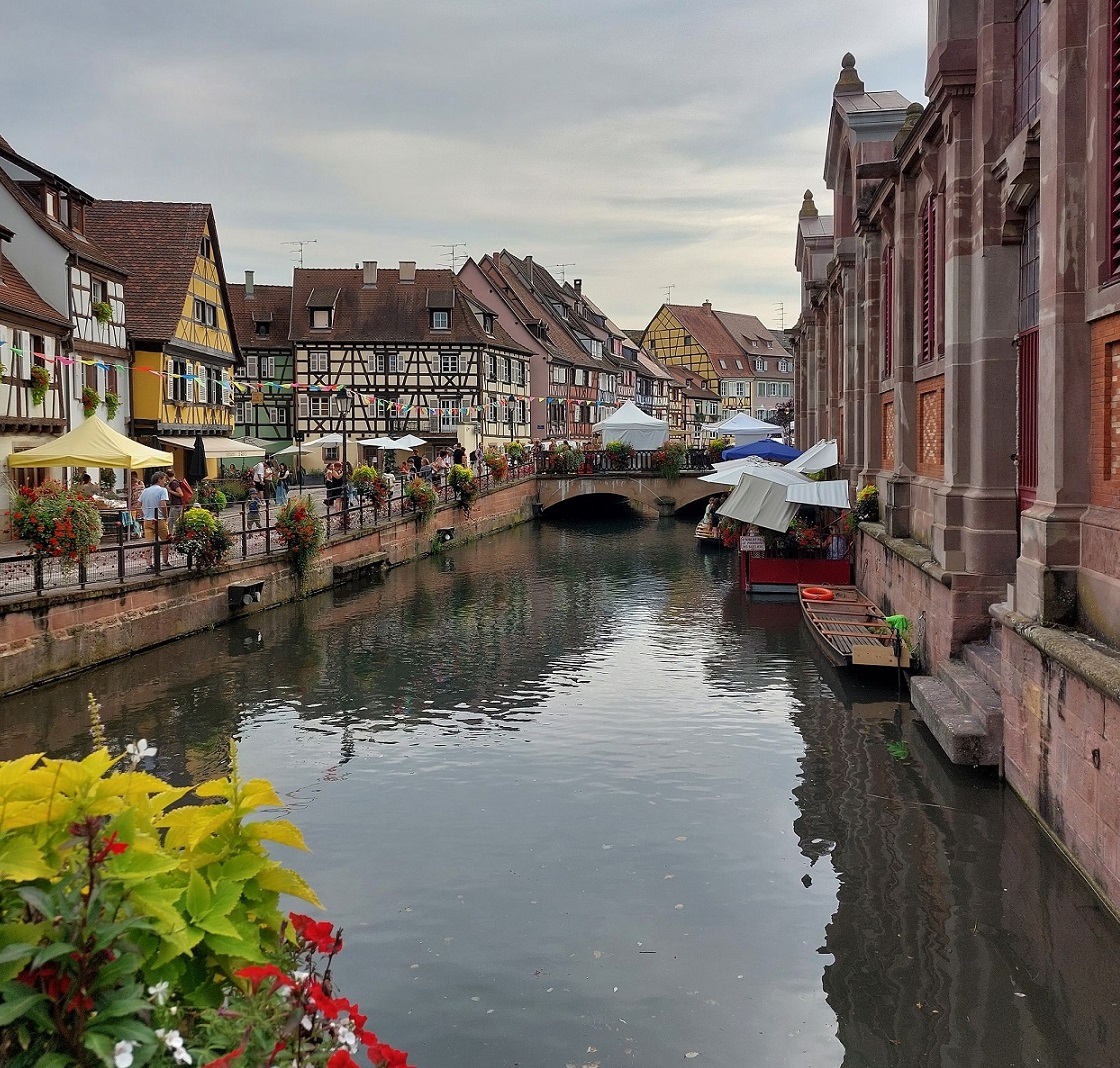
(960, 337)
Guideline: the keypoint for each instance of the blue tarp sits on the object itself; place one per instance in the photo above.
(767, 449)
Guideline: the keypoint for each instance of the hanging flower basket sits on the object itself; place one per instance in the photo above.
(422, 496)
(112, 405)
(497, 464)
(302, 531)
(40, 383)
(462, 481)
(56, 523)
(200, 537)
(103, 312)
(91, 400)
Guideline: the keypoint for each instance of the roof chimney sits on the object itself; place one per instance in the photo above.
(408, 272)
(529, 269)
(369, 274)
(578, 283)
(707, 305)
(248, 285)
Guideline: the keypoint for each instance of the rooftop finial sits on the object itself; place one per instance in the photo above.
(808, 208)
(849, 81)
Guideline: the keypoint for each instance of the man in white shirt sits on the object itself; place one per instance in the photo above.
(258, 475)
(153, 507)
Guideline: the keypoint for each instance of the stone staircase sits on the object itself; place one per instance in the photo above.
(961, 705)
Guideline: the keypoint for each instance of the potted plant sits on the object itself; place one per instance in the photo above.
(112, 405)
(515, 451)
(103, 311)
(40, 383)
(90, 401)
(422, 496)
(200, 537)
(209, 496)
(57, 523)
(716, 447)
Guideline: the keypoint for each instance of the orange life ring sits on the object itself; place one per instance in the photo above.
(817, 593)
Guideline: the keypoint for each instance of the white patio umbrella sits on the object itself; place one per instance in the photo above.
(323, 442)
(818, 458)
(291, 450)
(379, 443)
(409, 441)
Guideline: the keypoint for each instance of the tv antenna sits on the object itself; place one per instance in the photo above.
(781, 309)
(453, 253)
(299, 247)
(560, 267)
(669, 294)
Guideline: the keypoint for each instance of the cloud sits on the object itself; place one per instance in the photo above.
(653, 142)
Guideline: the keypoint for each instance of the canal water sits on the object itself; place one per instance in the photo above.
(576, 801)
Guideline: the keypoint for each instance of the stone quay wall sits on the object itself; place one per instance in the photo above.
(1061, 738)
(69, 630)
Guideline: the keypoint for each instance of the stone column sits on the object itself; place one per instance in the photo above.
(1046, 576)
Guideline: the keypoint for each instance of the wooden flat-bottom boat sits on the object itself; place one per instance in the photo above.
(850, 629)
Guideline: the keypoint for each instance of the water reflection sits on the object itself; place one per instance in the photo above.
(576, 800)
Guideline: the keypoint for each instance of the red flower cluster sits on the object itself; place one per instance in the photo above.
(109, 846)
(317, 933)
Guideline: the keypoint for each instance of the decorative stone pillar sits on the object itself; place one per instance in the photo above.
(1046, 575)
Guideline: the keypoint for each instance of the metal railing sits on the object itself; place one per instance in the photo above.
(120, 559)
(565, 463)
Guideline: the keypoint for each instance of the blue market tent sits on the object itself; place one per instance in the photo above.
(767, 449)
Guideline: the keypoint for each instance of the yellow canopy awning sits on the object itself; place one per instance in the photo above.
(93, 444)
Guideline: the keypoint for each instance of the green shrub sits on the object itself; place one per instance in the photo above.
(202, 538)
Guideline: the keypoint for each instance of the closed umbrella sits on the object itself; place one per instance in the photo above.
(195, 465)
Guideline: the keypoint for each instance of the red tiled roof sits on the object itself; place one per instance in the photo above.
(707, 330)
(271, 304)
(17, 295)
(80, 244)
(158, 243)
(391, 311)
(750, 333)
(692, 383)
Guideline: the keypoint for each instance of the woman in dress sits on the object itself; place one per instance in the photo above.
(282, 476)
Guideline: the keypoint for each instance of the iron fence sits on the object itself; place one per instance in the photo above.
(121, 558)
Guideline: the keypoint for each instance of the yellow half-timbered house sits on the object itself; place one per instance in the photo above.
(179, 321)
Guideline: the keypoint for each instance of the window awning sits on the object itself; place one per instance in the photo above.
(217, 448)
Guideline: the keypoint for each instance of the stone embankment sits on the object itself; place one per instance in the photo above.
(60, 632)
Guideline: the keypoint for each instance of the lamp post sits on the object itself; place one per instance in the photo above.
(297, 438)
(511, 407)
(344, 401)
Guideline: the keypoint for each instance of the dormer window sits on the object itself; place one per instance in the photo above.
(760, 365)
(263, 329)
(322, 318)
(50, 203)
(488, 324)
(440, 319)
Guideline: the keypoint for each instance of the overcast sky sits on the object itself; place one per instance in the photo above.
(644, 142)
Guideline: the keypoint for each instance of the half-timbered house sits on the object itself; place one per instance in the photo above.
(179, 321)
(262, 402)
(32, 397)
(411, 351)
(732, 353)
(80, 281)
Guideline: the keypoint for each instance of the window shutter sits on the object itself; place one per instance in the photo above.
(169, 381)
(21, 341)
(333, 407)
(251, 368)
(929, 279)
(302, 406)
(227, 387)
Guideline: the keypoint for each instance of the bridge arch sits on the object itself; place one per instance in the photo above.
(650, 495)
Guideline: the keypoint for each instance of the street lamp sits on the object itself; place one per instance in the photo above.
(511, 407)
(344, 402)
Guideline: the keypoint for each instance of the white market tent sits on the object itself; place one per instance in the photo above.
(820, 457)
(633, 427)
(744, 428)
(92, 444)
(769, 496)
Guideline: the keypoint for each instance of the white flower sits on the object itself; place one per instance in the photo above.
(346, 1037)
(122, 1054)
(181, 1056)
(172, 1039)
(307, 1023)
(158, 992)
(139, 750)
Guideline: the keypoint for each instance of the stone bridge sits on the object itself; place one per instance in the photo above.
(649, 494)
